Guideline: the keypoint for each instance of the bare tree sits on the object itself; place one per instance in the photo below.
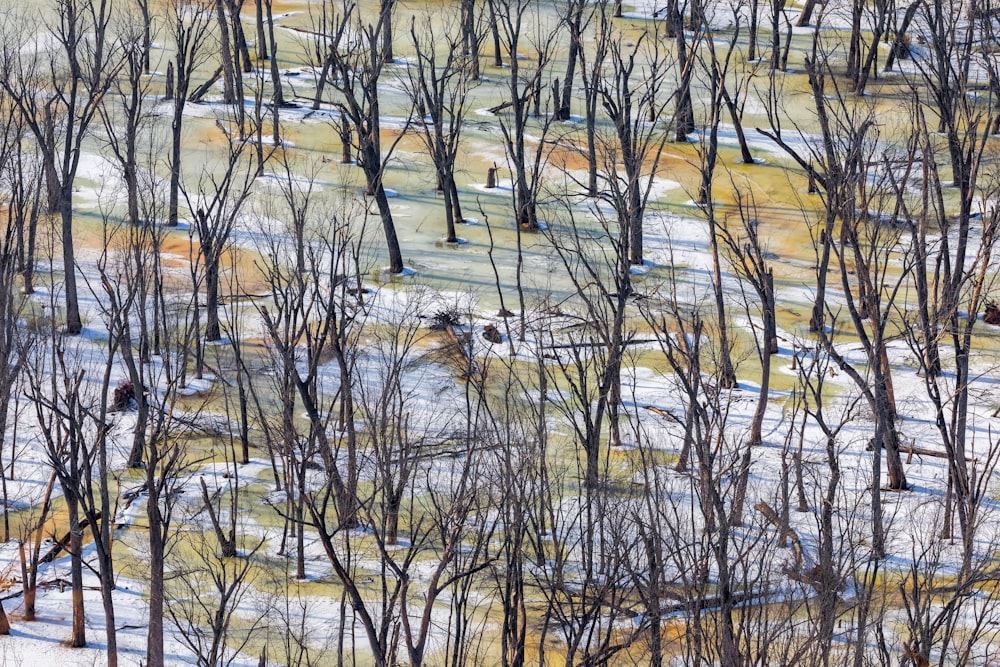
(58, 92)
(217, 201)
(190, 28)
(440, 92)
(634, 107)
(355, 56)
(521, 28)
(73, 422)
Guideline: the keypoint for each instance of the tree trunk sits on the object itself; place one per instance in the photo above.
(226, 53)
(456, 205)
(176, 125)
(899, 48)
(470, 40)
(240, 47)
(213, 331)
(373, 174)
(154, 631)
(48, 149)
(386, 18)
(807, 11)
(735, 114)
(74, 324)
(684, 114)
(278, 95)
(565, 99)
(28, 267)
(78, 639)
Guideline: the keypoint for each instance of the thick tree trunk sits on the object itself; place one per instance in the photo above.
(213, 331)
(470, 40)
(807, 11)
(386, 18)
(226, 54)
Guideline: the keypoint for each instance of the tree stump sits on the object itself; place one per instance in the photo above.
(492, 334)
(491, 177)
(992, 314)
(345, 141)
(168, 93)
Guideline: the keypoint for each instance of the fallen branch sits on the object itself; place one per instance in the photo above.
(564, 346)
(666, 414)
(924, 451)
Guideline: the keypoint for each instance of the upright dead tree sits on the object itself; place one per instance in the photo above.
(952, 277)
(592, 59)
(125, 115)
(578, 14)
(632, 94)
(128, 260)
(190, 25)
(587, 375)
(439, 86)
(231, 80)
(58, 90)
(355, 59)
(685, 59)
(72, 415)
(217, 201)
(716, 68)
(471, 36)
(859, 195)
(521, 27)
(316, 314)
(708, 447)
(265, 17)
(747, 255)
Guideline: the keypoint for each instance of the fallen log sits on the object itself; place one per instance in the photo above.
(203, 89)
(51, 554)
(924, 451)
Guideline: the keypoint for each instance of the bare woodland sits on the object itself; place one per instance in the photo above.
(499, 332)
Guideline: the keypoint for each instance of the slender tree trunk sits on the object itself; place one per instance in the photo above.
(78, 639)
(456, 205)
(240, 47)
(565, 99)
(213, 331)
(173, 204)
(278, 95)
(52, 186)
(373, 175)
(154, 632)
(74, 324)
